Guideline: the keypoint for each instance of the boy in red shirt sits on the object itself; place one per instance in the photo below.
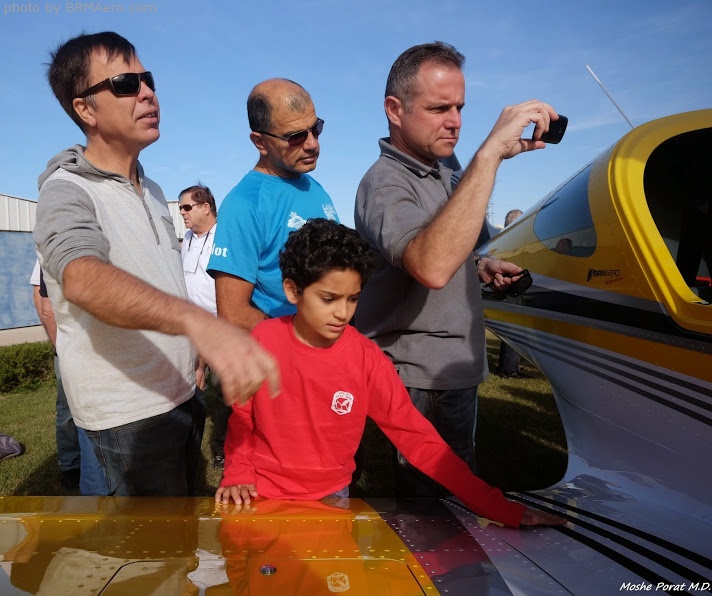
(301, 445)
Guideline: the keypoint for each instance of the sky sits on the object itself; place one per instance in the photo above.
(653, 56)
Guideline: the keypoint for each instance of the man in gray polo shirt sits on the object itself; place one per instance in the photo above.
(422, 304)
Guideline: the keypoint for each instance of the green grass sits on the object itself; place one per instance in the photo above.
(520, 440)
(29, 417)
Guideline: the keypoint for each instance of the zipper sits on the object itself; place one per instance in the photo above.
(148, 211)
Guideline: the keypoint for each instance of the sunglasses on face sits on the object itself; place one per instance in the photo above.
(128, 83)
(187, 207)
(514, 289)
(299, 138)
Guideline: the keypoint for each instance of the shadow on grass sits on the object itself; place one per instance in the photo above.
(519, 447)
(43, 479)
(29, 417)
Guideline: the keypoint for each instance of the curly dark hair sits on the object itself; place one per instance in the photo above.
(321, 246)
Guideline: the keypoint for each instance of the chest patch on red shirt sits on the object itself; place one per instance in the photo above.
(342, 402)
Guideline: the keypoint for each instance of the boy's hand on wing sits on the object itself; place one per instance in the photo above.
(533, 517)
(242, 494)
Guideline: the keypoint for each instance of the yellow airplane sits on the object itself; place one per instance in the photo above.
(619, 320)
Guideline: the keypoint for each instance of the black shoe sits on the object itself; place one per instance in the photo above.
(219, 461)
(70, 478)
(515, 375)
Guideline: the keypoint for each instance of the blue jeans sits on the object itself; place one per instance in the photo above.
(156, 456)
(92, 481)
(454, 415)
(65, 431)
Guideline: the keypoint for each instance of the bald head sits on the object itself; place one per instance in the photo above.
(284, 128)
(275, 95)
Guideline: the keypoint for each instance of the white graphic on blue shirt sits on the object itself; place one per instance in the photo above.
(296, 221)
(329, 211)
(342, 402)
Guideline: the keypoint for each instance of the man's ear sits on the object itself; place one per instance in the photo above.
(394, 109)
(259, 142)
(291, 291)
(85, 111)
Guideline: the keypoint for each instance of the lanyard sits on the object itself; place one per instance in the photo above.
(187, 262)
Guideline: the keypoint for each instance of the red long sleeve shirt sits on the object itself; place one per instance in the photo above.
(301, 444)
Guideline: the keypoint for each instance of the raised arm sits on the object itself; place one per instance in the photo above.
(439, 250)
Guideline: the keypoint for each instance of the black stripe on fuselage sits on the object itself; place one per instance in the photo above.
(601, 313)
(617, 365)
(656, 540)
(596, 368)
(614, 555)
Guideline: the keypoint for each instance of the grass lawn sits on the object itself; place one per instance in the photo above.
(29, 418)
(520, 441)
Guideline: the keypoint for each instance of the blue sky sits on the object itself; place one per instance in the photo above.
(654, 56)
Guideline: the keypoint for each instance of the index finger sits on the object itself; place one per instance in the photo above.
(542, 123)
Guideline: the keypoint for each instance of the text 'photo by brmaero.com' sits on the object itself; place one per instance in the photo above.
(56, 8)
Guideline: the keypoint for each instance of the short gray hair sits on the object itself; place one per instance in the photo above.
(402, 77)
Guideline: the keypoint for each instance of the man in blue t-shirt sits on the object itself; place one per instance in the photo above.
(273, 199)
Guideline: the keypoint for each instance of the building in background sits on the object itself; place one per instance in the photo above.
(17, 258)
(17, 255)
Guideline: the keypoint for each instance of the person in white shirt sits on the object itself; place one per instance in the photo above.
(199, 212)
(197, 207)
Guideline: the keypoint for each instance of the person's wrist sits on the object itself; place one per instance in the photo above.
(488, 155)
(194, 321)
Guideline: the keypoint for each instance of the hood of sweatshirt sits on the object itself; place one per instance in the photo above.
(73, 160)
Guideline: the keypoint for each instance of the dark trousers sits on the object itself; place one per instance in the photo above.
(453, 414)
(156, 456)
(221, 414)
(68, 451)
(508, 359)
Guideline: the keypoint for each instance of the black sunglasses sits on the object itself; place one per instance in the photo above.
(128, 83)
(514, 289)
(188, 207)
(298, 138)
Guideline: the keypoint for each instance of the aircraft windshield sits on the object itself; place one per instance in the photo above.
(564, 224)
(678, 188)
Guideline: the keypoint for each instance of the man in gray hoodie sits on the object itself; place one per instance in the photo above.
(127, 336)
